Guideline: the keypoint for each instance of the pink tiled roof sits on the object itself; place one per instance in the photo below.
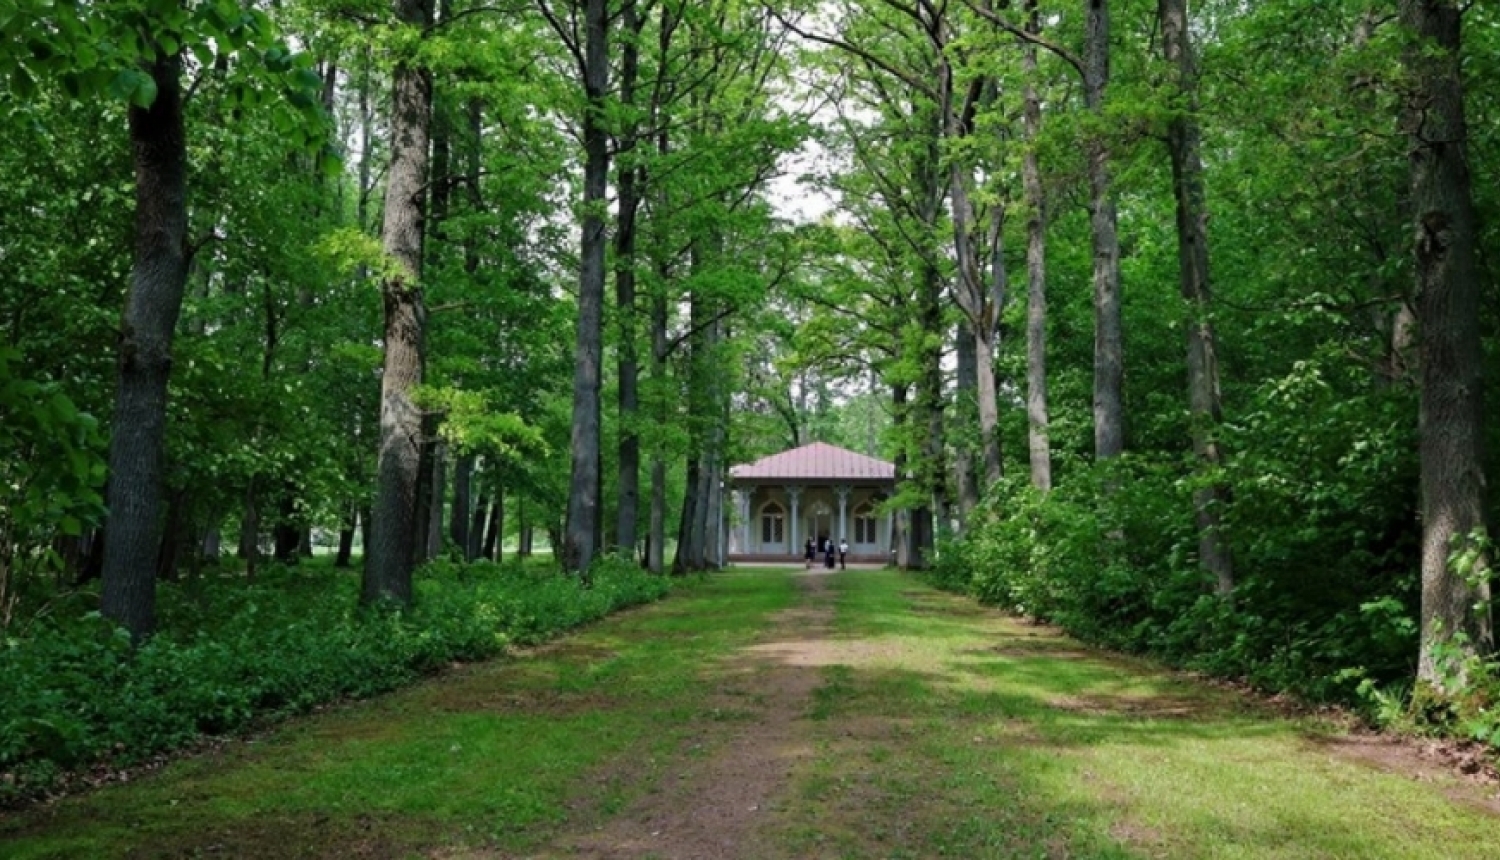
(818, 461)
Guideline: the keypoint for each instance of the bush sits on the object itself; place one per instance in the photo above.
(77, 693)
(1322, 524)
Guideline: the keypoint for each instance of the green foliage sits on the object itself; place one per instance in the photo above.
(1326, 596)
(51, 475)
(236, 654)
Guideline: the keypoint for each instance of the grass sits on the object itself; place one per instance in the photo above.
(490, 755)
(939, 729)
(957, 732)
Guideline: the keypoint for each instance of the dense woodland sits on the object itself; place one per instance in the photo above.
(1173, 316)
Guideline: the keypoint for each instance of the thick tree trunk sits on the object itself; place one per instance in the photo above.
(1039, 444)
(583, 488)
(1456, 557)
(1109, 336)
(458, 517)
(157, 280)
(629, 200)
(966, 479)
(682, 561)
(1184, 144)
(396, 529)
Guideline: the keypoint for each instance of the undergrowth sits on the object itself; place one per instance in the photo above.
(236, 654)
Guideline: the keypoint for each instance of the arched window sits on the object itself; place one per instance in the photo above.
(772, 524)
(864, 524)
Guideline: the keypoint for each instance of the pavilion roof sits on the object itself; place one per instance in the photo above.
(817, 461)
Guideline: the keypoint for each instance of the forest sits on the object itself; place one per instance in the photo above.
(341, 340)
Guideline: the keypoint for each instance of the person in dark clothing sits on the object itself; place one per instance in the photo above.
(807, 553)
(828, 550)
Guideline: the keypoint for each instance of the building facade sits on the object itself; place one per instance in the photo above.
(817, 491)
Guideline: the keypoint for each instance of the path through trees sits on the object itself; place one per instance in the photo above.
(778, 714)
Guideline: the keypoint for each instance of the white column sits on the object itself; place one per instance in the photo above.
(843, 493)
(795, 494)
(746, 495)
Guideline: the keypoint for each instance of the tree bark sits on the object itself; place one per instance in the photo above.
(629, 201)
(583, 487)
(439, 493)
(1205, 413)
(1456, 556)
(966, 479)
(458, 517)
(1039, 445)
(496, 527)
(476, 527)
(901, 420)
(157, 280)
(346, 538)
(1109, 337)
(396, 528)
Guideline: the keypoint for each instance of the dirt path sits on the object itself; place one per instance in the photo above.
(790, 715)
(718, 807)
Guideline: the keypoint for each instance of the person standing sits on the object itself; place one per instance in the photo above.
(843, 553)
(807, 553)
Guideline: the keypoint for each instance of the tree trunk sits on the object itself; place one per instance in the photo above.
(987, 347)
(901, 424)
(396, 529)
(157, 280)
(683, 560)
(476, 527)
(458, 517)
(583, 487)
(1184, 143)
(629, 200)
(1456, 558)
(1109, 337)
(286, 534)
(1038, 430)
(346, 539)
(439, 493)
(966, 479)
(523, 529)
(496, 529)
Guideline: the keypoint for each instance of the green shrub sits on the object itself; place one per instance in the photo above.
(77, 693)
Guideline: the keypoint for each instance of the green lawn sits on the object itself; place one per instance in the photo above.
(938, 728)
(495, 754)
(975, 735)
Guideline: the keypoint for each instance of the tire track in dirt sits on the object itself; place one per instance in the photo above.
(725, 805)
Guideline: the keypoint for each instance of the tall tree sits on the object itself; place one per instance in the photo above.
(158, 278)
(628, 206)
(1039, 445)
(1184, 143)
(583, 520)
(397, 528)
(1109, 334)
(1456, 553)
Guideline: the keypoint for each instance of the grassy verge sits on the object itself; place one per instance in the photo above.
(952, 731)
(494, 755)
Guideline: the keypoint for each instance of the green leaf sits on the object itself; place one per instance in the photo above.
(145, 93)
